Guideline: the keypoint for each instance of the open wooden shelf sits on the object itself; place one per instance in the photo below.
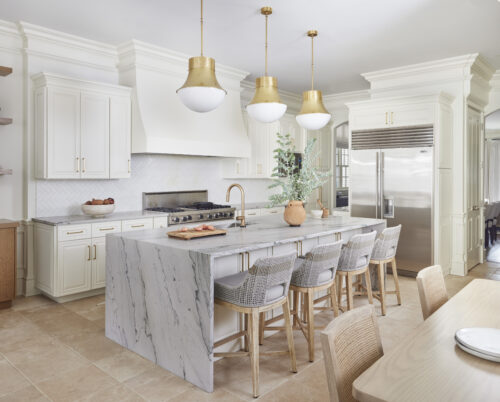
(5, 172)
(5, 71)
(5, 121)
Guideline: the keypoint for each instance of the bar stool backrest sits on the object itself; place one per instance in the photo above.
(386, 244)
(266, 273)
(321, 258)
(356, 254)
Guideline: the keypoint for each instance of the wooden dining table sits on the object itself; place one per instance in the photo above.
(428, 366)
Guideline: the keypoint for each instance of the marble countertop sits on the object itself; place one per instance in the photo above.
(260, 233)
(79, 219)
(253, 205)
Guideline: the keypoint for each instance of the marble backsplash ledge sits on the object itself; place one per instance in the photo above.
(149, 173)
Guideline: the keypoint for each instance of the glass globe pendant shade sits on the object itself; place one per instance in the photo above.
(313, 114)
(201, 92)
(266, 105)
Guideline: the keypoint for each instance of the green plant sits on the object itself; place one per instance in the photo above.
(296, 184)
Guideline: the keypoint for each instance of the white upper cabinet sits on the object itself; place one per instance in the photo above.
(263, 137)
(63, 133)
(119, 155)
(94, 136)
(82, 129)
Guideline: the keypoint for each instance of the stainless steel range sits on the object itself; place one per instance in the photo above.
(186, 206)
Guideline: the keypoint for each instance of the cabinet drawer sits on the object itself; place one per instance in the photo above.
(103, 228)
(250, 213)
(272, 211)
(74, 232)
(137, 224)
(160, 222)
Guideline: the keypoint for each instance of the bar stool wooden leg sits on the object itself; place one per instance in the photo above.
(289, 335)
(310, 324)
(368, 286)
(381, 286)
(246, 339)
(396, 279)
(339, 289)
(295, 308)
(333, 298)
(254, 350)
(350, 300)
(262, 319)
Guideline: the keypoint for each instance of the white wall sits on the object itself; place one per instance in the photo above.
(149, 173)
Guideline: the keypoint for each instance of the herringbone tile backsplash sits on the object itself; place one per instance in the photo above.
(149, 173)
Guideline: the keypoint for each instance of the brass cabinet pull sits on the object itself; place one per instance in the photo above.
(137, 226)
(392, 117)
(84, 165)
(274, 212)
(104, 229)
(299, 247)
(77, 164)
(88, 259)
(386, 117)
(129, 169)
(248, 259)
(72, 233)
(251, 214)
(95, 252)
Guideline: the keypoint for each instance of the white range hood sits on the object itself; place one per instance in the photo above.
(161, 124)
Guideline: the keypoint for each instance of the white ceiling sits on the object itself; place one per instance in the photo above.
(355, 36)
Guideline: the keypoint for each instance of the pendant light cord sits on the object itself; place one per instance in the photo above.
(201, 25)
(312, 63)
(266, 43)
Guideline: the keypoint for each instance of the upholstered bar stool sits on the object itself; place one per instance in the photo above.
(354, 261)
(312, 273)
(262, 288)
(384, 252)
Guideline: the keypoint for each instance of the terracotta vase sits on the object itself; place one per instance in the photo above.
(295, 214)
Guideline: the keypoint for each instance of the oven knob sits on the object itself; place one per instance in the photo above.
(190, 217)
(176, 219)
(231, 214)
(224, 214)
(200, 216)
(184, 218)
(218, 215)
(210, 216)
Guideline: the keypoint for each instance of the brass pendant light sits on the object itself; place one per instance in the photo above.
(313, 114)
(266, 105)
(201, 92)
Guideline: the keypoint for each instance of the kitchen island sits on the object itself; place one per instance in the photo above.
(160, 290)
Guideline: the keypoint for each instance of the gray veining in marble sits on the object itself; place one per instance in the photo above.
(79, 219)
(159, 290)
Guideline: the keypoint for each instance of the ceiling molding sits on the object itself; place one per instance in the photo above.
(339, 100)
(136, 53)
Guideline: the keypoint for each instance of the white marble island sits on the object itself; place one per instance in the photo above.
(160, 291)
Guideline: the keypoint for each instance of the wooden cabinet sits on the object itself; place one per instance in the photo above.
(82, 129)
(71, 259)
(8, 231)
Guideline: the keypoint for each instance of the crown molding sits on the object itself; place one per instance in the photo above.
(495, 81)
(43, 79)
(135, 53)
(49, 43)
(439, 97)
(339, 100)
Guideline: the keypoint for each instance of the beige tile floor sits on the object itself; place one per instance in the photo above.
(58, 352)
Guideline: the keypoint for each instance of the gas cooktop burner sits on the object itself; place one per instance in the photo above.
(165, 209)
(205, 205)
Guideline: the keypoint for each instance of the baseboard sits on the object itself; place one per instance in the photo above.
(77, 296)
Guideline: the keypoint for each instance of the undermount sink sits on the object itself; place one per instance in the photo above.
(230, 225)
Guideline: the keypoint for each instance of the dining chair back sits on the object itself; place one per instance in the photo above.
(431, 289)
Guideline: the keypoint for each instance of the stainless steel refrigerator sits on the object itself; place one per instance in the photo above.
(391, 177)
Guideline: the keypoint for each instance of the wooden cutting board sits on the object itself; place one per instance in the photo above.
(195, 234)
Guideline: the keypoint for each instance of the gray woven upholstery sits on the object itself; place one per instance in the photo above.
(356, 254)
(386, 244)
(318, 266)
(266, 282)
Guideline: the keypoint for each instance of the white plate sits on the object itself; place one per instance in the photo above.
(483, 340)
(478, 354)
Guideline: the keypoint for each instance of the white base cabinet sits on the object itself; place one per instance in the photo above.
(71, 259)
(82, 129)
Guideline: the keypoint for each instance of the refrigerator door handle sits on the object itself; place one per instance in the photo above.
(381, 201)
(377, 184)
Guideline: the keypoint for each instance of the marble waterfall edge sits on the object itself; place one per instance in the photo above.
(159, 304)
